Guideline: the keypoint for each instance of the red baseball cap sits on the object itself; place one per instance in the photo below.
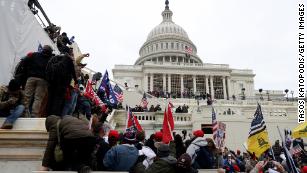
(198, 133)
(158, 136)
(114, 133)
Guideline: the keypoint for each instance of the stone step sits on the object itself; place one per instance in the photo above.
(24, 124)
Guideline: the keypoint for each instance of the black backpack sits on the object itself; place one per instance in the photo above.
(203, 160)
(57, 71)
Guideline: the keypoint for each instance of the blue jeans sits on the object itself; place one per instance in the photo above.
(15, 113)
(70, 105)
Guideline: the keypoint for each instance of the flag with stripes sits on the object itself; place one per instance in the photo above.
(290, 162)
(258, 139)
(296, 150)
(132, 123)
(144, 101)
(188, 50)
(214, 125)
(118, 93)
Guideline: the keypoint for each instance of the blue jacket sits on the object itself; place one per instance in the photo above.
(121, 157)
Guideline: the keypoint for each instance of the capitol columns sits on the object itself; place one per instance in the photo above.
(164, 82)
(228, 87)
(145, 82)
(181, 85)
(169, 83)
(151, 82)
(211, 86)
(224, 87)
(207, 84)
(194, 84)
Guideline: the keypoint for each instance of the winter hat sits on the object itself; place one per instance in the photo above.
(304, 169)
(184, 161)
(158, 136)
(114, 134)
(129, 137)
(198, 133)
(163, 150)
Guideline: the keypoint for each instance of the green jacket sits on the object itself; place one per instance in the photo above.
(162, 165)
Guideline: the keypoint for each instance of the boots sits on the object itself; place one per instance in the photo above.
(7, 126)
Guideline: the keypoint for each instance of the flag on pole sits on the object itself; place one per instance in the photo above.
(144, 101)
(118, 93)
(168, 124)
(300, 131)
(258, 139)
(106, 87)
(132, 121)
(188, 50)
(296, 149)
(214, 124)
(290, 162)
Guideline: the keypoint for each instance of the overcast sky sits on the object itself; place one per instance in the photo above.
(261, 35)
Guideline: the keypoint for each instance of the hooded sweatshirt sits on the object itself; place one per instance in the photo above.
(194, 146)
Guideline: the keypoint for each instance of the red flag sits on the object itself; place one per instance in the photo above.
(168, 124)
(132, 121)
(89, 93)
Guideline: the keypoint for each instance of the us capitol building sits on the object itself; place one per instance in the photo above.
(169, 62)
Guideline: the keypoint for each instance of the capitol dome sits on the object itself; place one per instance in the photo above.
(168, 42)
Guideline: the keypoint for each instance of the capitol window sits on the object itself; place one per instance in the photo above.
(177, 45)
(161, 45)
(172, 45)
(166, 44)
(157, 46)
(181, 46)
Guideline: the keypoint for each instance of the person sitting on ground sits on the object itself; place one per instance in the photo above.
(11, 107)
(122, 157)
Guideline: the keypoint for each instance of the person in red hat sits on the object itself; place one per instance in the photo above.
(197, 151)
(158, 136)
(304, 169)
(113, 138)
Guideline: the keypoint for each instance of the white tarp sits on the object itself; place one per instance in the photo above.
(20, 33)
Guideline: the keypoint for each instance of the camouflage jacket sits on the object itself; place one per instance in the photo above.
(9, 100)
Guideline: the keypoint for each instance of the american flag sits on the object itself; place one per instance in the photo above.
(144, 101)
(214, 124)
(258, 124)
(188, 50)
(118, 93)
(296, 149)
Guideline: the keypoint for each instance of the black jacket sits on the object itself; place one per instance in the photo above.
(36, 65)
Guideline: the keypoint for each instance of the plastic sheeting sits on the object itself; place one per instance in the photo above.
(20, 33)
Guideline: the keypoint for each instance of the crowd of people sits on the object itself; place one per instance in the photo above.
(105, 149)
(47, 84)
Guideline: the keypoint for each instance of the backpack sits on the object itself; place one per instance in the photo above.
(203, 160)
(57, 71)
